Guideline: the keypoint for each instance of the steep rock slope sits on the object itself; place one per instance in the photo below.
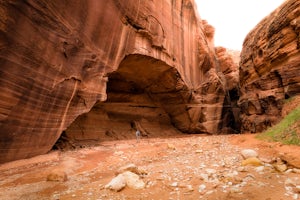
(270, 67)
(58, 56)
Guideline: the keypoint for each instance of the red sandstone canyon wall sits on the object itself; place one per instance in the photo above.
(59, 59)
(270, 67)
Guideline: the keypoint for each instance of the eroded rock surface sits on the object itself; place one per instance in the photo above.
(269, 67)
(57, 56)
(229, 78)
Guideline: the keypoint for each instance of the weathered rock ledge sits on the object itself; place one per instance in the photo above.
(269, 67)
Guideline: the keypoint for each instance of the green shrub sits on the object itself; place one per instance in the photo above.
(287, 131)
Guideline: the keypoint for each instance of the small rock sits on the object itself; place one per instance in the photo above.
(288, 171)
(204, 177)
(216, 183)
(216, 165)
(292, 182)
(202, 166)
(171, 146)
(280, 167)
(242, 169)
(259, 169)
(297, 171)
(133, 180)
(210, 172)
(57, 175)
(150, 184)
(128, 178)
(117, 183)
(199, 151)
(132, 168)
(243, 184)
(235, 190)
(201, 189)
(209, 192)
(231, 174)
(248, 153)
(174, 184)
(295, 196)
(266, 160)
(252, 161)
(190, 188)
(249, 177)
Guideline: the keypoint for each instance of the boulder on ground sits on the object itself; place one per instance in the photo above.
(124, 179)
(57, 175)
(248, 153)
(117, 184)
(133, 180)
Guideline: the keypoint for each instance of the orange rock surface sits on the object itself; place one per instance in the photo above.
(269, 67)
(133, 58)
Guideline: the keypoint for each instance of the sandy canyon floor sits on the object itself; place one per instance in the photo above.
(185, 167)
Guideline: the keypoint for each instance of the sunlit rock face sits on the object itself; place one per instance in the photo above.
(270, 67)
(132, 60)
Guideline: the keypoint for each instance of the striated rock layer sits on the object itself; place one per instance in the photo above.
(58, 56)
(270, 67)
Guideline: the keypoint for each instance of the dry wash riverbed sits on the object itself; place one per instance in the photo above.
(191, 167)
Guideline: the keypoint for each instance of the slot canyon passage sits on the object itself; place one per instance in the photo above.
(77, 79)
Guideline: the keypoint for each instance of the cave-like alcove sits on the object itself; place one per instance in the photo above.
(132, 92)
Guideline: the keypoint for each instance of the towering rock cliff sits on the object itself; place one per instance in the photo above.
(270, 67)
(116, 61)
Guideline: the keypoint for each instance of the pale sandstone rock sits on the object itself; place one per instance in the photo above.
(248, 153)
(117, 184)
(201, 188)
(133, 180)
(124, 179)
